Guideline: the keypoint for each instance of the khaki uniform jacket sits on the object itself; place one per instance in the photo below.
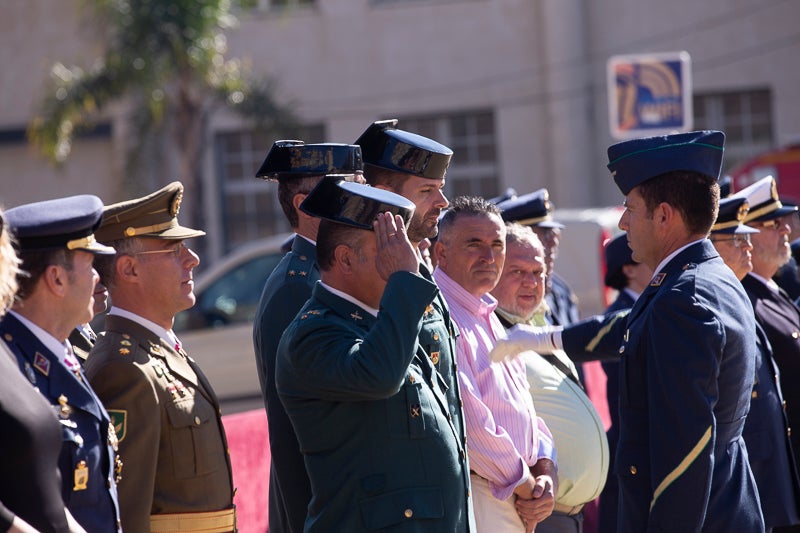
(167, 417)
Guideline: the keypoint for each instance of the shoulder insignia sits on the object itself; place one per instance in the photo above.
(688, 266)
(291, 272)
(125, 342)
(429, 310)
(155, 348)
(658, 279)
(124, 351)
(435, 358)
(303, 273)
(126, 336)
(118, 426)
(303, 258)
(355, 316)
(8, 337)
(41, 363)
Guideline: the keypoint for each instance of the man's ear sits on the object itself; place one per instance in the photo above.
(344, 258)
(125, 267)
(297, 199)
(440, 251)
(55, 279)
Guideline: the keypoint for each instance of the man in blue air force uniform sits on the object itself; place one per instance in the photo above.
(56, 244)
(687, 347)
(366, 402)
(766, 429)
(297, 167)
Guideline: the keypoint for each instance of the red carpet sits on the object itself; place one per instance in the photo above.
(249, 444)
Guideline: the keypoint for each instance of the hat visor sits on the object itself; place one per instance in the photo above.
(175, 233)
(97, 248)
(736, 230)
(549, 224)
(780, 212)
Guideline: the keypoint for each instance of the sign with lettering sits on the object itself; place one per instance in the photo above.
(649, 94)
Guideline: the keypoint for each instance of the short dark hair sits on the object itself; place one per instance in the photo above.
(694, 195)
(464, 206)
(33, 263)
(288, 188)
(332, 234)
(391, 179)
(617, 280)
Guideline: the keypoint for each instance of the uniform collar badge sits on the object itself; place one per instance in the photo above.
(41, 363)
(355, 316)
(658, 279)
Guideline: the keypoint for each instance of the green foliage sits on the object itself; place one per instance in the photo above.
(170, 56)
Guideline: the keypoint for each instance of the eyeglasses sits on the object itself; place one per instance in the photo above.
(175, 251)
(738, 240)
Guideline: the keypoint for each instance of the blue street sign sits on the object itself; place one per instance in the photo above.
(649, 94)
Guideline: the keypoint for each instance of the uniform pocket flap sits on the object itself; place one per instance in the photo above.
(400, 506)
(189, 412)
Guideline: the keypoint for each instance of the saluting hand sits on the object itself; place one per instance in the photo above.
(395, 252)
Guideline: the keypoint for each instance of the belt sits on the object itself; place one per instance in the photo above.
(569, 510)
(209, 522)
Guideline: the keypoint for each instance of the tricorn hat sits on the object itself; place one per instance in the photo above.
(295, 159)
(385, 146)
(354, 204)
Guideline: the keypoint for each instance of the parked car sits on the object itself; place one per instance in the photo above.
(217, 331)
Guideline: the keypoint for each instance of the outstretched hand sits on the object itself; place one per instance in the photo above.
(395, 252)
(521, 338)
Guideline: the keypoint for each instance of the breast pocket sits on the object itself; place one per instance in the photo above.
(415, 405)
(194, 437)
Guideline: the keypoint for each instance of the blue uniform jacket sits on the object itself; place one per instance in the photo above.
(687, 368)
(562, 302)
(371, 417)
(286, 291)
(607, 519)
(87, 458)
(766, 431)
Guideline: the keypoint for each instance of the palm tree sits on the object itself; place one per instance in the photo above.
(164, 63)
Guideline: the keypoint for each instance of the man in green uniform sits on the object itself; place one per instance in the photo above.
(365, 401)
(297, 167)
(178, 475)
(414, 166)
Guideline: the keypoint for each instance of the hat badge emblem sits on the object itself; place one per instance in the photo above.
(175, 206)
(742, 212)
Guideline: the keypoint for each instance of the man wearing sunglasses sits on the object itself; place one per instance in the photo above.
(774, 309)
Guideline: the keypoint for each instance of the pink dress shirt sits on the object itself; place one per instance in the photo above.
(504, 435)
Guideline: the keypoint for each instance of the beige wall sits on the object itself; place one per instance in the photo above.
(539, 64)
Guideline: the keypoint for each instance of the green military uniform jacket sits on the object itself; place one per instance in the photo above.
(287, 289)
(168, 422)
(370, 414)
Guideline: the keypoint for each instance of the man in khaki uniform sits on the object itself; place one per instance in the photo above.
(166, 414)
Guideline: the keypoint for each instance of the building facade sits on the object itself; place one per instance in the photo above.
(516, 87)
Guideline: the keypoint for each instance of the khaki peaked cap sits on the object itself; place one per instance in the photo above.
(152, 216)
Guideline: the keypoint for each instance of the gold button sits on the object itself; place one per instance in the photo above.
(197, 420)
(754, 394)
(795, 334)
(633, 470)
(622, 349)
(408, 513)
(436, 336)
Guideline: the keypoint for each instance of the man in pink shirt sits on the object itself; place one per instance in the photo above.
(511, 451)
